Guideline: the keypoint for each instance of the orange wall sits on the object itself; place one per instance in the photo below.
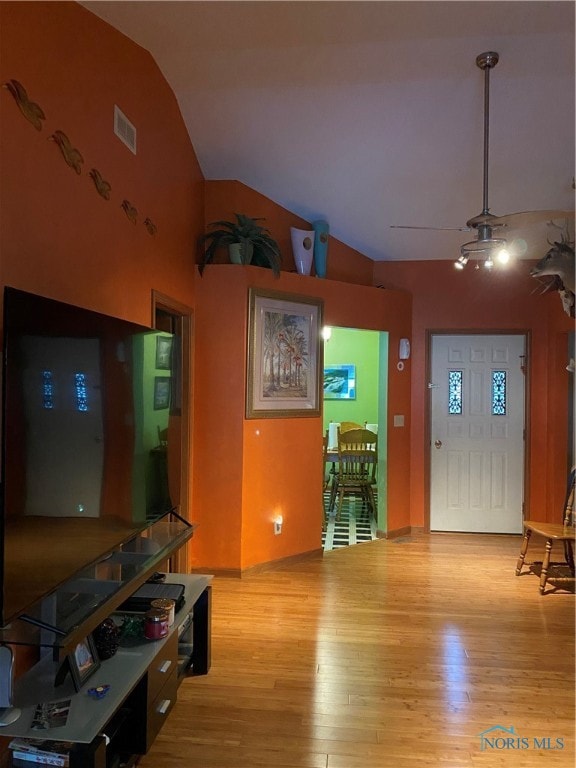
(270, 466)
(447, 299)
(59, 237)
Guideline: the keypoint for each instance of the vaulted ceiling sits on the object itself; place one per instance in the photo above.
(370, 114)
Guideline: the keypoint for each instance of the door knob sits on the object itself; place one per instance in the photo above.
(438, 443)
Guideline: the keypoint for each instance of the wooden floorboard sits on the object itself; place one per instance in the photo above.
(389, 653)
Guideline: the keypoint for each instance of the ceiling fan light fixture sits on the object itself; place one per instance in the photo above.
(481, 247)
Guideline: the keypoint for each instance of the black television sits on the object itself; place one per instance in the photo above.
(85, 408)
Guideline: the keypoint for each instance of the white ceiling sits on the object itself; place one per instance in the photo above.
(370, 114)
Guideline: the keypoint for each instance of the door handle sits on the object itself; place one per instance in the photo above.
(438, 443)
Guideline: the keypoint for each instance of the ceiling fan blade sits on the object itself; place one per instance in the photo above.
(524, 218)
(437, 229)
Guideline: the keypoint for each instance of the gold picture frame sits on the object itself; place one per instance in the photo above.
(284, 355)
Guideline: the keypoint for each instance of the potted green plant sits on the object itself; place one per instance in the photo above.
(247, 241)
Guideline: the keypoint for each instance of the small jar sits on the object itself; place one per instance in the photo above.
(165, 604)
(155, 624)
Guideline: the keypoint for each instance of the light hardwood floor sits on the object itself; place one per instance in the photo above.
(389, 653)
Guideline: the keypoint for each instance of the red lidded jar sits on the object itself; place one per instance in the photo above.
(165, 604)
(155, 624)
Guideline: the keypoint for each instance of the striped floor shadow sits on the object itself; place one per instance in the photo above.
(353, 527)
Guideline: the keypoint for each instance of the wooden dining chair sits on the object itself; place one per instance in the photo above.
(564, 532)
(346, 426)
(330, 479)
(357, 462)
(325, 462)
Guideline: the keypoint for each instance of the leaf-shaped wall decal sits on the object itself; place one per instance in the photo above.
(150, 226)
(130, 211)
(31, 111)
(72, 156)
(102, 186)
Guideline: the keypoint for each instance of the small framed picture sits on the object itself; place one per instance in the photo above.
(161, 392)
(164, 352)
(340, 382)
(83, 661)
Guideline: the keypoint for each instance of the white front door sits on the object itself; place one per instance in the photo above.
(477, 433)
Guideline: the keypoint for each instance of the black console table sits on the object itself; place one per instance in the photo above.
(144, 679)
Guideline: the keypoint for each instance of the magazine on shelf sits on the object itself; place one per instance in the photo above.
(41, 751)
(39, 758)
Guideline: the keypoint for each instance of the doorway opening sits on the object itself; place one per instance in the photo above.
(174, 320)
(355, 389)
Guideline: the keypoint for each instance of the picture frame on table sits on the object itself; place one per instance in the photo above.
(284, 355)
(83, 661)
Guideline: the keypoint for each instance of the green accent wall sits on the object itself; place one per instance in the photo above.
(359, 348)
(148, 477)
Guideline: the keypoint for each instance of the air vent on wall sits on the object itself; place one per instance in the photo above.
(124, 129)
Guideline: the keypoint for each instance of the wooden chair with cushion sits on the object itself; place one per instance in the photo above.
(357, 462)
(551, 532)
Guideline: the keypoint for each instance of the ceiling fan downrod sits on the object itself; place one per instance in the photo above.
(482, 223)
(486, 61)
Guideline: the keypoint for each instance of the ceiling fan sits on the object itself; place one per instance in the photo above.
(485, 245)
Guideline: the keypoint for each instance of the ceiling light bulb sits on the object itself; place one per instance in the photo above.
(489, 263)
(459, 264)
(503, 256)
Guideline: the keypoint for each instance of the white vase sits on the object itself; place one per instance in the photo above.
(303, 249)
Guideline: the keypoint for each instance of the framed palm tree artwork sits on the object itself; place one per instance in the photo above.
(284, 355)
